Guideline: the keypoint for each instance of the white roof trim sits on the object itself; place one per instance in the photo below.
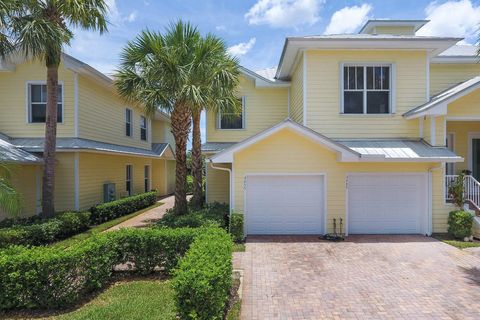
(344, 153)
(260, 81)
(371, 24)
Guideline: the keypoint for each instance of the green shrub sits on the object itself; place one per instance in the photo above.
(236, 227)
(60, 227)
(460, 224)
(203, 278)
(50, 277)
(189, 186)
(214, 214)
(114, 209)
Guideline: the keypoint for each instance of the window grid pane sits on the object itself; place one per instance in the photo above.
(38, 103)
(143, 128)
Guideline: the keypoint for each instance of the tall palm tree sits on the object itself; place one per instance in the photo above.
(217, 82)
(10, 199)
(40, 29)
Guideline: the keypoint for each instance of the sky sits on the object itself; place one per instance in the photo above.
(255, 30)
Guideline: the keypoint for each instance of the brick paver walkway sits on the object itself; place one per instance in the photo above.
(366, 277)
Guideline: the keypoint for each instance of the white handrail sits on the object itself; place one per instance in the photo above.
(471, 188)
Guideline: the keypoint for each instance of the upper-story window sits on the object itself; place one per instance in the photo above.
(232, 121)
(143, 128)
(367, 89)
(128, 122)
(37, 103)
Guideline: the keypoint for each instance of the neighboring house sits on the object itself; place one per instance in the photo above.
(364, 128)
(101, 138)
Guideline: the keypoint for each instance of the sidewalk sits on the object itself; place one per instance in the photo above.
(148, 217)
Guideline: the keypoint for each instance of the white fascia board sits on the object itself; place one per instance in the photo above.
(454, 60)
(261, 82)
(433, 159)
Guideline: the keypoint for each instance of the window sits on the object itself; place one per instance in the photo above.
(128, 179)
(232, 121)
(37, 103)
(147, 178)
(128, 122)
(143, 128)
(366, 90)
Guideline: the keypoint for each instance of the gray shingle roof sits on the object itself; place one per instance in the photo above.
(216, 146)
(12, 154)
(36, 145)
(450, 93)
(399, 149)
(460, 51)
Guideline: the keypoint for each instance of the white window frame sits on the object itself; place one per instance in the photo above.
(128, 122)
(129, 179)
(28, 102)
(147, 177)
(392, 89)
(244, 116)
(146, 128)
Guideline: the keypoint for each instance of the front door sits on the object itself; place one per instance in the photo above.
(475, 147)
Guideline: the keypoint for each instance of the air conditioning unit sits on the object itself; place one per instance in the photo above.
(109, 192)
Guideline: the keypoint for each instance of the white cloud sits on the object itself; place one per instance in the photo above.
(116, 17)
(284, 13)
(348, 19)
(132, 16)
(220, 28)
(242, 48)
(452, 18)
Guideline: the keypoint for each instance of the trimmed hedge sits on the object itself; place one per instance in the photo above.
(460, 224)
(48, 277)
(114, 209)
(203, 278)
(213, 214)
(236, 227)
(60, 227)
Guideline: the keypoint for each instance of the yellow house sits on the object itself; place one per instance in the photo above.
(106, 147)
(357, 133)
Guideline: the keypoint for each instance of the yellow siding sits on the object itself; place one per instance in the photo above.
(440, 126)
(161, 133)
(24, 178)
(426, 130)
(13, 90)
(159, 179)
(65, 181)
(296, 94)
(461, 129)
(97, 169)
(102, 116)
(218, 185)
(170, 176)
(444, 76)
(395, 30)
(466, 106)
(323, 100)
(264, 108)
(269, 156)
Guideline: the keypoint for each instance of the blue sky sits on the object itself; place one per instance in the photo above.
(255, 29)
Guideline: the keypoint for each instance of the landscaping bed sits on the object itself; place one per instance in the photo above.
(448, 239)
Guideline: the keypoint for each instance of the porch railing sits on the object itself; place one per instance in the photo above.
(471, 188)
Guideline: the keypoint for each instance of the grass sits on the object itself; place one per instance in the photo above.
(456, 243)
(239, 247)
(132, 300)
(234, 313)
(100, 228)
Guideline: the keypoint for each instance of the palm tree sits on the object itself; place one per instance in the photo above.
(40, 29)
(216, 84)
(10, 199)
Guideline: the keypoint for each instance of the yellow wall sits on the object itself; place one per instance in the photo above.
(466, 106)
(397, 30)
(444, 76)
(102, 116)
(159, 181)
(65, 181)
(218, 184)
(170, 176)
(97, 169)
(323, 94)
(161, 133)
(264, 108)
(461, 129)
(440, 126)
(13, 90)
(296, 93)
(304, 156)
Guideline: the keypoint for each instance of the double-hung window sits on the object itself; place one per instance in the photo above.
(128, 179)
(147, 178)
(232, 121)
(128, 122)
(37, 103)
(367, 89)
(143, 128)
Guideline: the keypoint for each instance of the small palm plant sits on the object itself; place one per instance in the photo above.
(10, 199)
(456, 191)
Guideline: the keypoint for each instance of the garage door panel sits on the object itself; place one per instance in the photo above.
(284, 204)
(387, 203)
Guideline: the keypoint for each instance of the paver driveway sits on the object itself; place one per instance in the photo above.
(366, 277)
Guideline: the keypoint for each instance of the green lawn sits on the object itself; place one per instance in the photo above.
(239, 247)
(100, 228)
(456, 243)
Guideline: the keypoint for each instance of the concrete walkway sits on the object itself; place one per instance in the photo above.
(148, 217)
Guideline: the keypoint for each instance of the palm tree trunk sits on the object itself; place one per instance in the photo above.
(197, 199)
(181, 122)
(48, 187)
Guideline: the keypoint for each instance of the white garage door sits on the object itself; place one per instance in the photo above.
(387, 203)
(288, 204)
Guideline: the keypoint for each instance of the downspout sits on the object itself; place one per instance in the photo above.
(430, 196)
(230, 183)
